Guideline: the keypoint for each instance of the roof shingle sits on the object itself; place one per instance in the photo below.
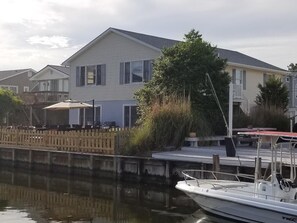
(231, 56)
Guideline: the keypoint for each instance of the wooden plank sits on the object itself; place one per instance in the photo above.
(97, 141)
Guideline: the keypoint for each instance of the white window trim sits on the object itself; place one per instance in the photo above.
(84, 113)
(86, 74)
(96, 106)
(287, 79)
(123, 113)
(131, 61)
(26, 89)
(10, 86)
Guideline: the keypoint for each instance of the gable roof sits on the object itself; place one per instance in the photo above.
(158, 43)
(6, 74)
(238, 58)
(65, 71)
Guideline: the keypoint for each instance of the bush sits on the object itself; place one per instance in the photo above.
(241, 120)
(166, 125)
(262, 116)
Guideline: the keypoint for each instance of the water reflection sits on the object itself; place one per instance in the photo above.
(38, 197)
(51, 198)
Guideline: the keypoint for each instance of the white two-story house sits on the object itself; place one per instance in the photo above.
(108, 70)
(51, 85)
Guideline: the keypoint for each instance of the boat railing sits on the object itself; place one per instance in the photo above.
(191, 174)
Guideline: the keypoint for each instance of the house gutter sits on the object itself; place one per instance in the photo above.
(283, 72)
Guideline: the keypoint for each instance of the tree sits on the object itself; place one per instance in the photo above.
(273, 94)
(292, 67)
(181, 71)
(9, 102)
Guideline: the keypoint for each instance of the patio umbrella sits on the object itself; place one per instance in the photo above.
(68, 104)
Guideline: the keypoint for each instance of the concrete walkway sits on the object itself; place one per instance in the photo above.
(245, 156)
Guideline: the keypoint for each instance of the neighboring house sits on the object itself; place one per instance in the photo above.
(109, 69)
(247, 72)
(17, 80)
(51, 85)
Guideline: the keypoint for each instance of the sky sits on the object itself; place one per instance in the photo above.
(35, 33)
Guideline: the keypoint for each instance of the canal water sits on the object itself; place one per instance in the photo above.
(29, 197)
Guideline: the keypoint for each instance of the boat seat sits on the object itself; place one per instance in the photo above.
(283, 183)
(292, 184)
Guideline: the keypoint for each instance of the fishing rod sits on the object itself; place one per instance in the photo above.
(221, 110)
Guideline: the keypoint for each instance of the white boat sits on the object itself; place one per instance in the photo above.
(249, 198)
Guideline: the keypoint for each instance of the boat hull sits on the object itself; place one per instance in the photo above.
(253, 210)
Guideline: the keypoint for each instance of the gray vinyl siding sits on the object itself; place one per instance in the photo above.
(110, 111)
(111, 51)
(21, 80)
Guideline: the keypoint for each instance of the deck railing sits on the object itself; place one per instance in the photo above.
(85, 141)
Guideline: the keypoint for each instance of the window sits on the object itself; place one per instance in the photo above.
(239, 78)
(43, 85)
(54, 85)
(130, 115)
(91, 72)
(287, 79)
(91, 75)
(135, 71)
(15, 89)
(101, 75)
(26, 89)
(89, 116)
(86, 115)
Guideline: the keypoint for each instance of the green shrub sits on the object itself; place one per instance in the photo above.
(262, 116)
(166, 126)
(241, 120)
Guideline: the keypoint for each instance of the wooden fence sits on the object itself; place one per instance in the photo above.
(88, 141)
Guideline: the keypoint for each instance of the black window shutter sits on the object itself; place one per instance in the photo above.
(98, 75)
(146, 70)
(127, 73)
(77, 77)
(103, 74)
(82, 76)
(121, 73)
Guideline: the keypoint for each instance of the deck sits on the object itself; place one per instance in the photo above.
(245, 155)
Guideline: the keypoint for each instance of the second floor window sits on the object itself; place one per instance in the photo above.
(239, 78)
(91, 75)
(135, 71)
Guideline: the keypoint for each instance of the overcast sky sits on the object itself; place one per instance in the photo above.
(34, 33)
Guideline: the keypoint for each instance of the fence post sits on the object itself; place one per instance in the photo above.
(17, 136)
